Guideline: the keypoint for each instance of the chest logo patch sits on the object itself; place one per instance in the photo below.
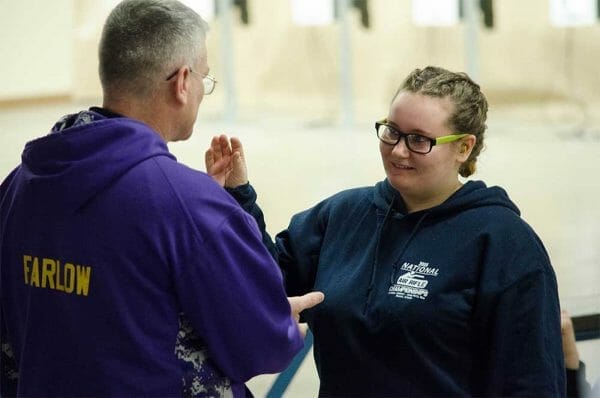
(413, 280)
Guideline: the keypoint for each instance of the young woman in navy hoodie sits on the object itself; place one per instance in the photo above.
(434, 287)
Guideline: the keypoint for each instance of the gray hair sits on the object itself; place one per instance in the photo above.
(145, 40)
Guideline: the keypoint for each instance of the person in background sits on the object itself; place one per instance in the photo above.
(577, 385)
(123, 272)
(434, 286)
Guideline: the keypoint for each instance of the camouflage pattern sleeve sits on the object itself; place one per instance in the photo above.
(8, 369)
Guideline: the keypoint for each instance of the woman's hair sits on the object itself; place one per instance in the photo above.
(143, 41)
(469, 104)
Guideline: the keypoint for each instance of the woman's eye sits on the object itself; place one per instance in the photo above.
(392, 133)
(419, 139)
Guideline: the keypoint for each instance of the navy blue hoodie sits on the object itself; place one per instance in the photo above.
(126, 273)
(456, 300)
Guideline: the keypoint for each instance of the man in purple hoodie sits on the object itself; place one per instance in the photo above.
(122, 271)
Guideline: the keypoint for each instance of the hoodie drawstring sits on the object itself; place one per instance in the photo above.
(401, 253)
(374, 266)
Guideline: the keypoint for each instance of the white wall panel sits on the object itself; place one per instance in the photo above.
(36, 48)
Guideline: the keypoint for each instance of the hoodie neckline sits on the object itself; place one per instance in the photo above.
(472, 194)
(79, 162)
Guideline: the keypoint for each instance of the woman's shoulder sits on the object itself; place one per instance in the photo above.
(352, 193)
(341, 203)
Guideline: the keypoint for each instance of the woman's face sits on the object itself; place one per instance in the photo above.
(422, 177)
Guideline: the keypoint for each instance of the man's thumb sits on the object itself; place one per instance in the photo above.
(309, 300)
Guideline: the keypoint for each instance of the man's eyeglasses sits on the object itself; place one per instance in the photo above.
(417, 143)
(208, 81)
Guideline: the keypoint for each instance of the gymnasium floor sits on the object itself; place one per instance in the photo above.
(547, 157)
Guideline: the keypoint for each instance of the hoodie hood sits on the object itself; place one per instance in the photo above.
(85, 153)
(471, 195)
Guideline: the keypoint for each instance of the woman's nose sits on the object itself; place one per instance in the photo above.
(401, 149)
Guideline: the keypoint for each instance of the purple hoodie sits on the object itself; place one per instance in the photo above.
(126, 273)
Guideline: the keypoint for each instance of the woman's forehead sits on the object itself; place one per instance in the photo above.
(425, 109)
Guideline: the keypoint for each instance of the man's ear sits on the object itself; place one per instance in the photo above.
(181, 85)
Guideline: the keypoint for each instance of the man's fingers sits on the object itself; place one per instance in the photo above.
(301, 303)
(311, 299)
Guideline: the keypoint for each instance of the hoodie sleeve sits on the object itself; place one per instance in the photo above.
(236, 301)
(8, 370)
(299, 248)
(245, 195)
(296, 248)
(9, 376)
(519, 314)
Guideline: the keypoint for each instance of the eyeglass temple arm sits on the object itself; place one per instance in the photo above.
(449, 138)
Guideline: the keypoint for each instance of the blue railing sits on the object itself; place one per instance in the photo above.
(285, 378)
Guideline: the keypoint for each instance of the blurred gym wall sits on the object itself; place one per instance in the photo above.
(49, 50)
